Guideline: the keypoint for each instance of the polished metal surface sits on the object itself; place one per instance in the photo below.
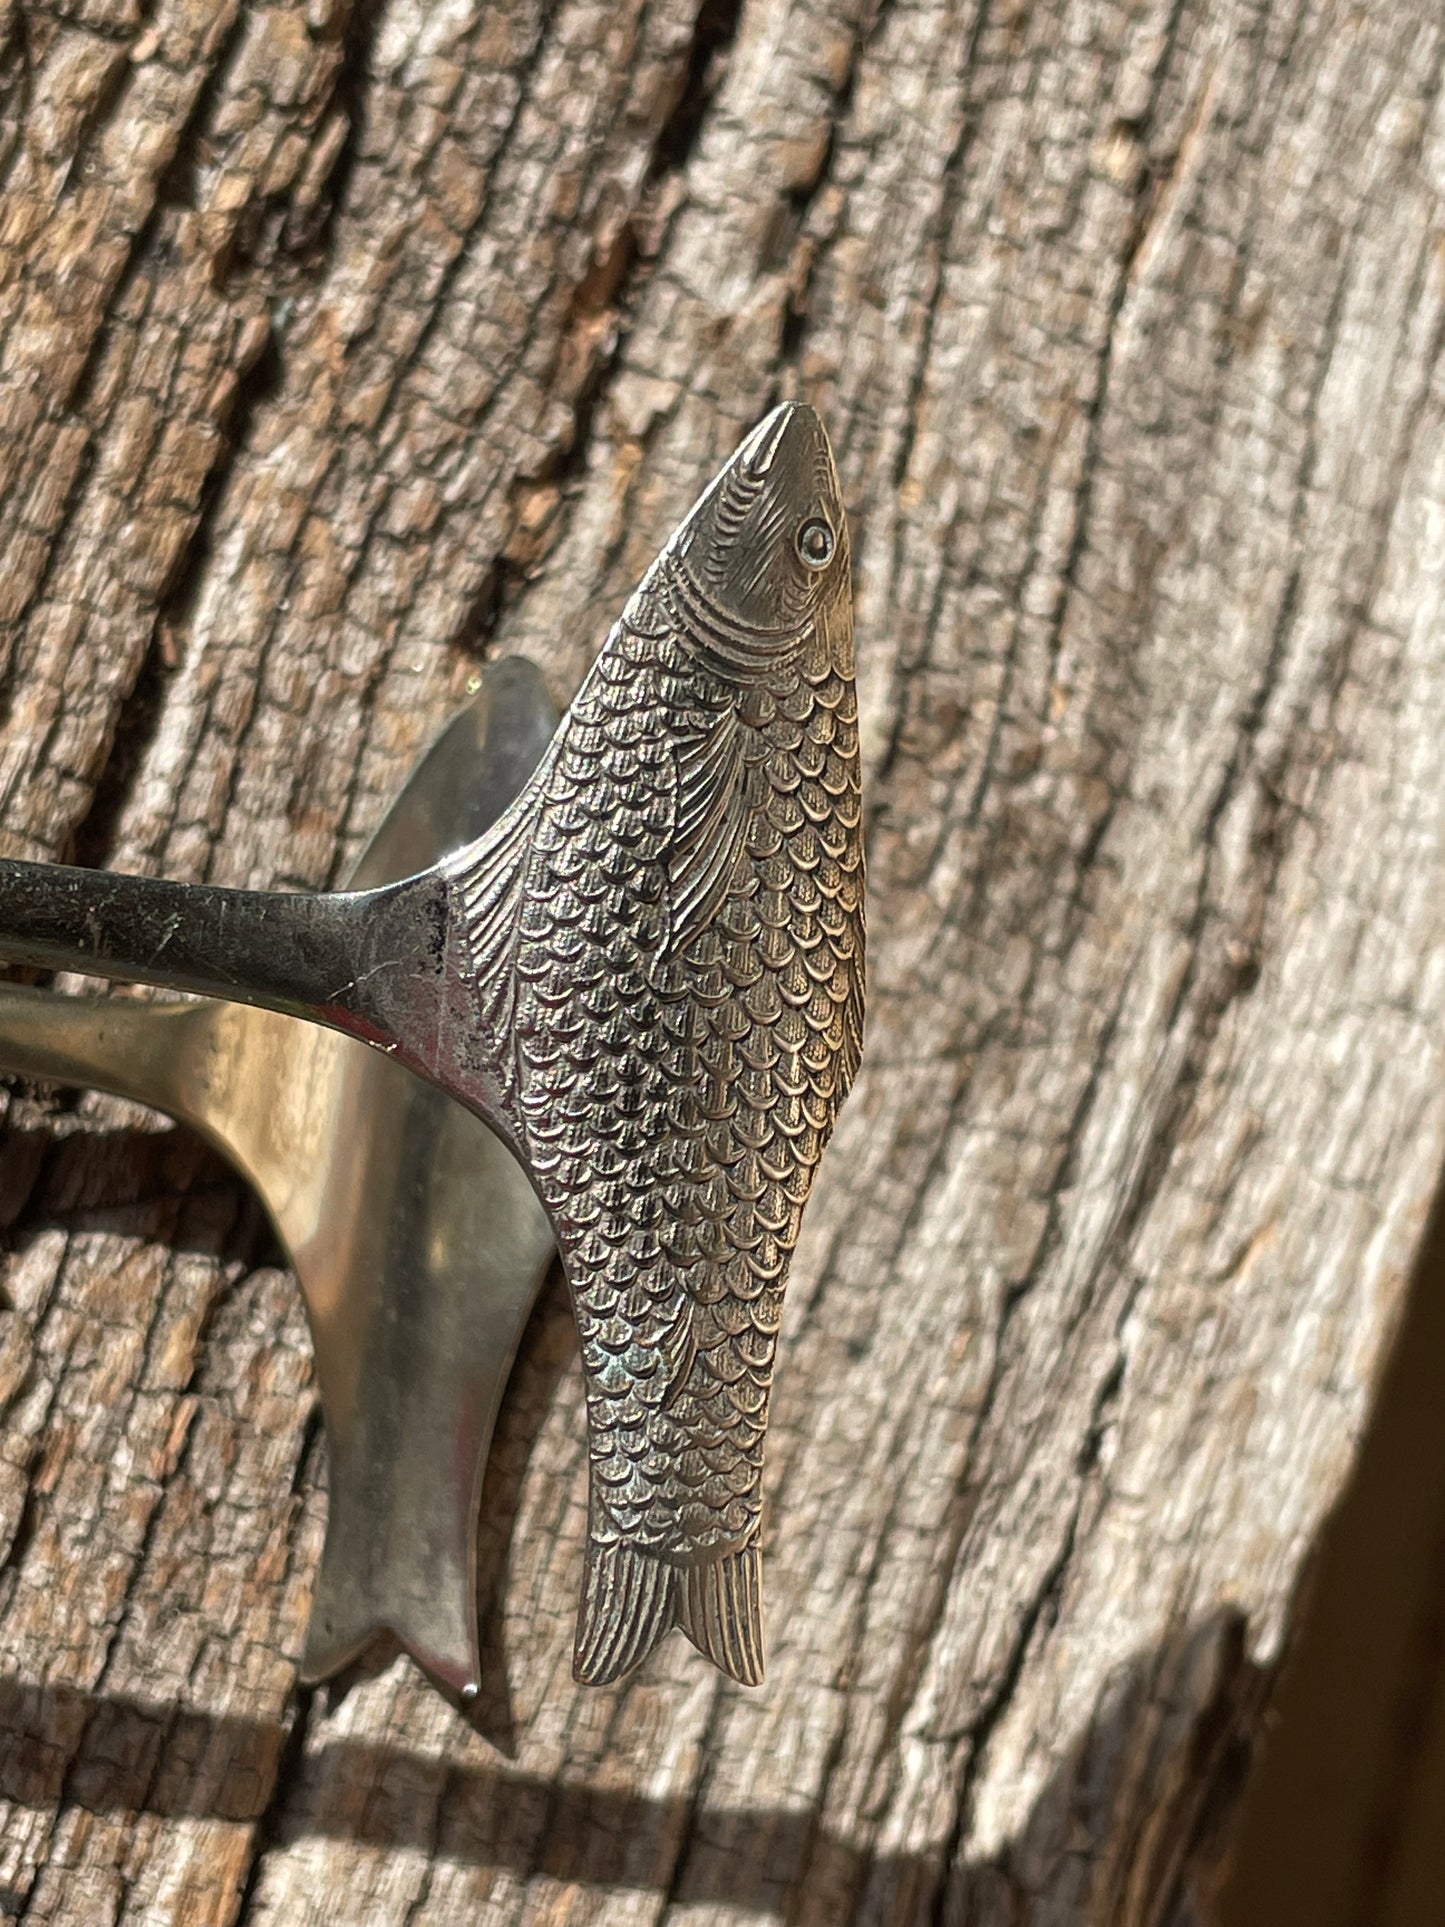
(418, 1243)
(649, 978)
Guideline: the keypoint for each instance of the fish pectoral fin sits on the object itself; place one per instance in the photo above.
(680, 1365)
(711, 827)
(720, 1608)
(628, 1604)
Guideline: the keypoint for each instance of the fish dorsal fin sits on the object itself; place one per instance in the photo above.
(711, 824)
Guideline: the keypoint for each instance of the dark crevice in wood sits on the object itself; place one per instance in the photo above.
(351, 91)
(93, 837)
(25, 1525)
(1234, 967)
(178, 186)
(10, 669)
(813, 1841)
(610, 282)
(1227, 1737)
(952, 183)
(423, 1893)
(548, 1349)
(474, 636)
(792, 228)
(1062, 1180)
(1105, 1399)
(1047, 1593)
(963, 1504)
(959, 1509)
(311, 1448)
(679, 1889)
(714, 30)
(170, 190)
(1146, 202)
(174, 188)
(1414, 414)
(440, 301)
(1160, 1856)
(291, 1766)
(141, 709)
(89, 1710)
(494, 591)
(944, 216)
(614, 280)
(258, 381)
(102, 106)
(953, 1864)
(268, 1829)
(17, 80)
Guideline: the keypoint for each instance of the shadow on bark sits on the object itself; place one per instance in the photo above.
(1341, 1826)
(165, 1184)
(1173, 1726)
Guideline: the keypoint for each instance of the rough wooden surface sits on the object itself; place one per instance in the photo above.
(341, 345)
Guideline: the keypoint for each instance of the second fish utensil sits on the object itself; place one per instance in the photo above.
(417, 1241)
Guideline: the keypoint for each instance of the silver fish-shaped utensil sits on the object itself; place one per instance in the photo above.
(418, 1244)
(648, 977)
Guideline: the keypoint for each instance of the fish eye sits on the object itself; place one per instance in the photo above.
(815, 543)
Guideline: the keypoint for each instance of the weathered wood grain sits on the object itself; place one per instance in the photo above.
(341, 345)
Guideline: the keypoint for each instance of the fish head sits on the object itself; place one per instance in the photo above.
(764, 555)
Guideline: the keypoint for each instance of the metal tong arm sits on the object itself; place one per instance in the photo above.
(141, 1051)
(349, 959)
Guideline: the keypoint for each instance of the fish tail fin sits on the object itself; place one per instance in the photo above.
(342, 1626)
(720, 1608)
(628, 1603)
(407, 1575)
(632, 1599)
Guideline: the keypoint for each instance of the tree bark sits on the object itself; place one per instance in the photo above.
(346, 342)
